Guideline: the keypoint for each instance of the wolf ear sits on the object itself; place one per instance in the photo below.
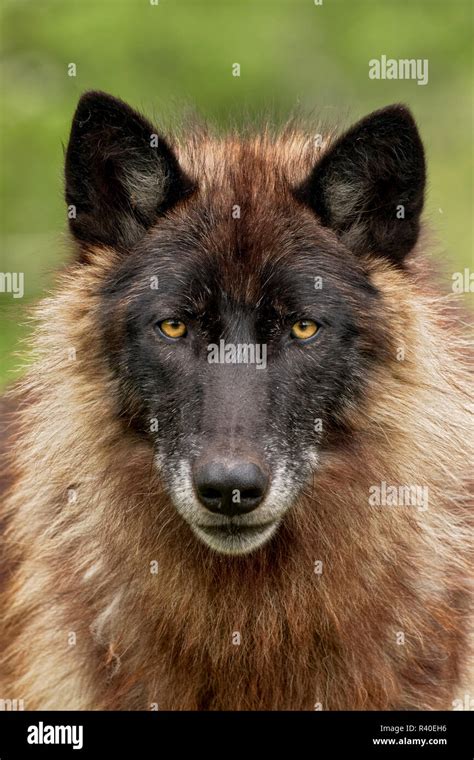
(120, 175)
(369, 186)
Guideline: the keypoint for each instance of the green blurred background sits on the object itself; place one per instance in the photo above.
(174, 56)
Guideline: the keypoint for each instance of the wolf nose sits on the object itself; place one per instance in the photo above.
(230, 488)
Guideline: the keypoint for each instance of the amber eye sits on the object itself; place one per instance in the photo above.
(173, 328)
(304, 329)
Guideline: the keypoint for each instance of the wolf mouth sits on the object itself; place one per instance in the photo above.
(233, 529)
(234, 538)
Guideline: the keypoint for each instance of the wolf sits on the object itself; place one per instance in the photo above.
(186, 534)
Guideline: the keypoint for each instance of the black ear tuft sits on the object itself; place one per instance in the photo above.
(369, 186)
(120, 175)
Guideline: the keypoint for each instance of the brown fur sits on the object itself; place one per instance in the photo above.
(166, 638)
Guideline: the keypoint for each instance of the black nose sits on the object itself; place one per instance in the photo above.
(230, 487)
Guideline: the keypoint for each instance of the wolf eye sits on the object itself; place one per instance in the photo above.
(172, 328)
(304, 329)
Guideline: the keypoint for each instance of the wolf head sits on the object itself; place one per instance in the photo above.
(241, 318)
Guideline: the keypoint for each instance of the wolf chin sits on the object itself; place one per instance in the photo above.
(195, 535)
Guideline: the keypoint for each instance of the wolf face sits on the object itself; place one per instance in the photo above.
(240, 319)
